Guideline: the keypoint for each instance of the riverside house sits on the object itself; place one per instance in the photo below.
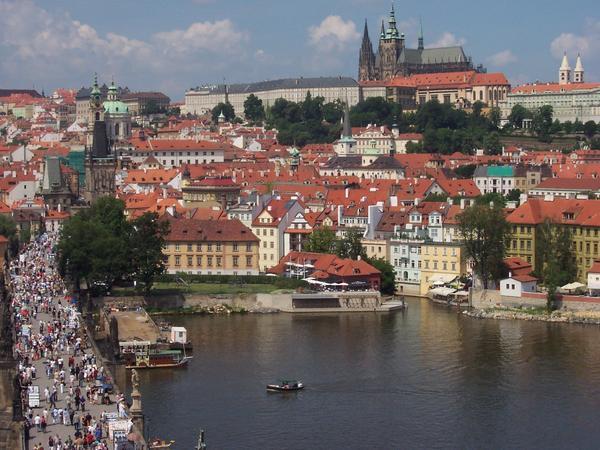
(211, 247)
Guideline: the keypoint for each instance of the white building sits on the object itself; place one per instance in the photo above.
(514, 286)
(571, 98)
(174, 152)
(203, 99)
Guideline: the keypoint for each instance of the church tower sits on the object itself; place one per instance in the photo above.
(100, 162)
(564, 73)
(366, 59)
(578, 72)
(390, 47)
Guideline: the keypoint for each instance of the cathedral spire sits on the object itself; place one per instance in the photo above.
(392, 31)
(421, 41)
(366, 41)
(382, 30)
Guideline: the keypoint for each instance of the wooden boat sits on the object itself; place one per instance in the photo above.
(160, 443)
(285, 386)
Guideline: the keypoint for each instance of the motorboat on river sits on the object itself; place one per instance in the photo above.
(285, 386)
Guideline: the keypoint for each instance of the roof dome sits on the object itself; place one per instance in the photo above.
(115, 107)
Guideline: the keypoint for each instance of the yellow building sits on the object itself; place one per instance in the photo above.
(441, 261)
(376, 248)
(581, 217)
(211, 247)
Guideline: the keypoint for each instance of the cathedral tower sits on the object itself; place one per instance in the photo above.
(390, 47)
(366, 59)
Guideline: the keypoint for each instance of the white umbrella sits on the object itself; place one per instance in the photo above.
(573, 286)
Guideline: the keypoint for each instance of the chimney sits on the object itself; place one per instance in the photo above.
(346, 192)
(462, 203)
(417, 201)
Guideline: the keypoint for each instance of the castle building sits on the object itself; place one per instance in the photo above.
(393, 58)
(570, 96)
(100, 162)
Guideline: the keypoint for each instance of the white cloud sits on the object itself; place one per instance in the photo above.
(333, 33)
(204, 36)
(52, 47)
(502, 58)
(587, 43)
(447, 40)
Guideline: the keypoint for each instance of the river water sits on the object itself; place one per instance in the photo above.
(424, 378)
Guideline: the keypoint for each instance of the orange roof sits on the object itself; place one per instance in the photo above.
(449, 79)
(560, 210)
(543, 88)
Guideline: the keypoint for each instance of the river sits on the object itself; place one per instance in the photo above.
(424, 378)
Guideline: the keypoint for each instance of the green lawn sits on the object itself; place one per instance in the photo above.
(201, 288)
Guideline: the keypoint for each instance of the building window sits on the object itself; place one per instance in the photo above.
(235, 247)
(236, 260)
(209, 247)
(209, 261)
(189, 247)
(190, 261)
(248, 261)
(177, 260)
(272, 232)
(199, 261)
(218, 246)
(198, 247)
(219, 260)
(248, 247)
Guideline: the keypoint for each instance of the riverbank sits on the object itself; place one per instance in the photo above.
(199, 310)
(535, 314)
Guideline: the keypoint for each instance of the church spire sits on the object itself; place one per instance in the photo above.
(421, 41)
(382, 30)
(366, 41)
(392, 31)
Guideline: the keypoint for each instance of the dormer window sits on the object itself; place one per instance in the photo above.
(568, 216)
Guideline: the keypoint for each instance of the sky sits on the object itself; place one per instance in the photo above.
(172, 45)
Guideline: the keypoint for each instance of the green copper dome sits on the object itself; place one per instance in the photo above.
(115, 107)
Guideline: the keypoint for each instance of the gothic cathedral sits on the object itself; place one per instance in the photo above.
(393, 58)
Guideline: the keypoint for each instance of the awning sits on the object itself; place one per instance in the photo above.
(443, 291)
(573, 286)
(440, 277)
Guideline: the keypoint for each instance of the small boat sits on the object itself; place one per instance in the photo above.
(285, 386)
(159, 443)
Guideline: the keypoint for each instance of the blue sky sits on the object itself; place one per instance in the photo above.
(171, 45)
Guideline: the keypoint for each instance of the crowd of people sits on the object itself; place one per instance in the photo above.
(48, 331)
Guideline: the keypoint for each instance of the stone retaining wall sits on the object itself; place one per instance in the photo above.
(485, 299)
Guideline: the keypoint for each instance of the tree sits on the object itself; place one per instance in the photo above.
(333, 112)
(94, 244)
(351, 245)
(434, 197)
(492, 143)
(465, 171)
(491, 197)
(567, 127)
(514, 195)
(8, 229)
(254, 109)
(485, 232)
(388, 275)
(226, 109)
(146, 244)
(517, 115)
(321, 240)
(542, 122)
(495, 116)
(589, 129)
(555, 259)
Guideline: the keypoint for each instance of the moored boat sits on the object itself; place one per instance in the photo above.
(285, 386)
